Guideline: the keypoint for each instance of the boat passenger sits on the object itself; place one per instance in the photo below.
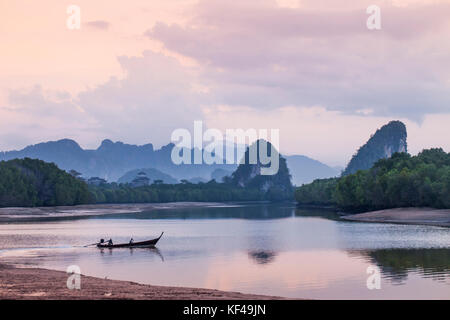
(131, 241)
(110, 242)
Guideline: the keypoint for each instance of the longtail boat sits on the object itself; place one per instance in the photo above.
(141, 244)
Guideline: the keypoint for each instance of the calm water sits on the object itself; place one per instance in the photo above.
(264, 249)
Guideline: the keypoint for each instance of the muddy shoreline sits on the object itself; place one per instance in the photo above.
(416, 216)
(44, 284)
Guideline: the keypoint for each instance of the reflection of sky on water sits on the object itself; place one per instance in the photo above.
(268, 249)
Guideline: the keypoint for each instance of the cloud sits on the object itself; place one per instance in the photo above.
(35, 114)
(263, 55)
(98, 24)
(271, 65)
(156, 96)
(36, 100)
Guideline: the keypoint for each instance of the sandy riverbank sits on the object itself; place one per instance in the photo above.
(34, 283)
(418, 216)
(22, 214)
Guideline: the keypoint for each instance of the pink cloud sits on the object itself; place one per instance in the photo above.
(259, 54)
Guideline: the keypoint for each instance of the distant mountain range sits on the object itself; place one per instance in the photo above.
(118, 161)
(305, 170)
(386, 141)
(113, 159)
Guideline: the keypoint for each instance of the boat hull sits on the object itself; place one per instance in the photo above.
(142, 244)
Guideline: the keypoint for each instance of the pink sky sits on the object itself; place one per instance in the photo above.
(136, 70)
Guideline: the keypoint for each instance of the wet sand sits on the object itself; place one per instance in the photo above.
(417, 216)
(22, 213)
(43, 284)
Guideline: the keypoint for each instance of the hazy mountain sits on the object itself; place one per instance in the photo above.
(305, 170)
(151, 173)
(113, 159)
(219, 174)
(197, 180)
(387, 140)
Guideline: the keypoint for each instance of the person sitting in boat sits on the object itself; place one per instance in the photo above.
(110, 243)
(131, 241)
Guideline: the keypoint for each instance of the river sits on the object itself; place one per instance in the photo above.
(273, 249)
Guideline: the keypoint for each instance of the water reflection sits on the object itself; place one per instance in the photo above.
(262, 256)
(274, 249)
(247, 212)
(397, 264)
(328, 214)
(121, 252)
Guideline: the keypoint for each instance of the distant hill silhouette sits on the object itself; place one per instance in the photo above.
(386, 141)
(305, 170)
(113, 160)
(151, 173)
(219, 174)
(197, 180)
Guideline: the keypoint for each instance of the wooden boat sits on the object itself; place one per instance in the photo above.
(141, 244)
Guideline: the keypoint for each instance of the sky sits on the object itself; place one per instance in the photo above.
(137, 70)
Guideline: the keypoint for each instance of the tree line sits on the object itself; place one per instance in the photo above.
(159, 192)
(31, 182)
(400, 181)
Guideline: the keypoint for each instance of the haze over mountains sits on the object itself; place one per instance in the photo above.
(112, 159)
(118, 161)
(305, 170)
(151, 173)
